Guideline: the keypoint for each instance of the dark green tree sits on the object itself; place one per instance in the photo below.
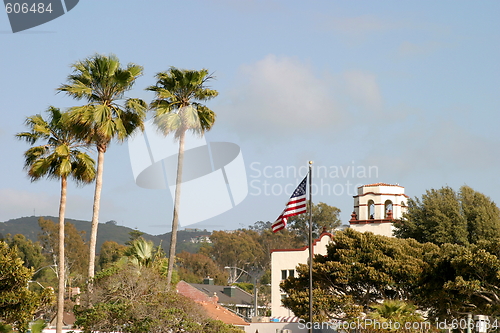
(445, 216)
(28, 251)
(17, 303)
(358, 270)
(461, 280)
(110, 253)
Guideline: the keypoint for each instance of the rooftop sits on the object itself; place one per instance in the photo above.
(240, 296)
(380, 184)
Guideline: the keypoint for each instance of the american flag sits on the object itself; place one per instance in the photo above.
(295, 206)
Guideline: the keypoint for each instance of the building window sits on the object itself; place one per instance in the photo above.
(287, 273)
(388, 208)
(371, 209)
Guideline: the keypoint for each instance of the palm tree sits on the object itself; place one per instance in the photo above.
(395, 311)
(103, 83)
(142, 252)
(60, 158)
(177, 110)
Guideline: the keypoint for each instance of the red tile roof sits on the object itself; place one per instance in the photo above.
(219, 312)
(214, 310)
(380, 184)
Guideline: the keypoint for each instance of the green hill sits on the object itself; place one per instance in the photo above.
(108, 231)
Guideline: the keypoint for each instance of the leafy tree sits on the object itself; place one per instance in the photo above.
(268, 240)
(142, 252)
(28, 251)
(76, 249)
(323, 216)
(17, 303)
(194, 267)
(59, 158)
(178, 109)
(396, 311)
(138, 299)
(395, 314)
(110, 253)
(358, 270)
(463, 280)
(240, 249)
(38, 326)
(134, 234)
(445, 216)
(102, 82)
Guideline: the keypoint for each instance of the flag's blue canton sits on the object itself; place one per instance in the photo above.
(301, 189)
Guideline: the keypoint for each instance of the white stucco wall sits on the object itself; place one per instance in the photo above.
(289, 260)
(384, 229)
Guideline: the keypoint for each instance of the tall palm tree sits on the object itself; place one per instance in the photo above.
(107, 115)
(178, 109)
(59, 158)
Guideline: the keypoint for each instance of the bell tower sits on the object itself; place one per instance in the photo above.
(377, 206)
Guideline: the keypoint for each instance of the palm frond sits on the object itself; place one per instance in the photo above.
(54, 159)
(102, 81)
(179, 92)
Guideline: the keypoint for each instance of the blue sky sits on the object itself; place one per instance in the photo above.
(407, 89)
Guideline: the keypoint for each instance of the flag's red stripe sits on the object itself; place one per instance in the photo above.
(301, 208)
(281, 228)
(302, 204)
(293, 214)
(279, 224)
(297, 200)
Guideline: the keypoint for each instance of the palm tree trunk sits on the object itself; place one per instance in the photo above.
(95, 211)
(177, 201)
(61, 289)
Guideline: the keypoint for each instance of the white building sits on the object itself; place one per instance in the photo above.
(375, 208)
(283, 264)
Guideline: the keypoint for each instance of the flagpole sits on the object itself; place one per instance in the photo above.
(310, 251)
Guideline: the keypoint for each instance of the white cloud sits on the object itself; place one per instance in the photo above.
(281, 95)
(364, 90)
(278, 96)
